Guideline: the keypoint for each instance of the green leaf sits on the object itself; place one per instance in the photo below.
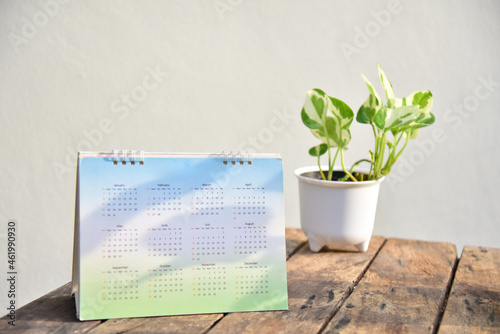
(421, 99)
(334, 129)
(389, 91)
(341, 111)
(388, 118)
(373, 103)
(343, 116)
(318, 150)
(328, 133)
(345, 138)
(315, 107)
(422, 119)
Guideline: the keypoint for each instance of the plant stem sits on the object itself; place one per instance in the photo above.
(373, 157)
(396, 143)
(390, 159)
(331, 164)
(379, 160)
(343, 166)
(335, 158)
(319, 167)
(325, 128)
(376, 154)
(357, 163)
(407, 139)
(392, 154)
(330, 168)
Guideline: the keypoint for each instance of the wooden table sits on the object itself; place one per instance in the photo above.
(397, 286)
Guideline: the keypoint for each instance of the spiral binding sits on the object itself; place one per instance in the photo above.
(234, 158)
(133, 157)
(130, 156)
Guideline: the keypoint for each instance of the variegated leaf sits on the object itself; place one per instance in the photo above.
(344, 117)
(421, 99)
(328, 133)
(388, 118)
(389, 91)
(315, 107)
(318, 150)
(373, 103)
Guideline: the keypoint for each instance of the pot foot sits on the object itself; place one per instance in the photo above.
(363, 246)
(314, 244)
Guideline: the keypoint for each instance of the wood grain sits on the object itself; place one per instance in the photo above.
(402, 291)
(56, 312)
(295, 239)
(317, 285)
(53, 313)
(474, 302)
(199, 323)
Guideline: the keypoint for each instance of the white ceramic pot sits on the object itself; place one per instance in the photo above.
(336, 213)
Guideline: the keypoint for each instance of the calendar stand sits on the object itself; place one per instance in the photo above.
(178, 233)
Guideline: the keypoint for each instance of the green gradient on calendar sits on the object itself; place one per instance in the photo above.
(180, 235)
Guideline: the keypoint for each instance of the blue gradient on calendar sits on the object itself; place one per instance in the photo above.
(193, 226)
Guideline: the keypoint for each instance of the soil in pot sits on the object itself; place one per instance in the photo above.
(336, 176)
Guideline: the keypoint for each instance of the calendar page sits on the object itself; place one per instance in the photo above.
(169, 234)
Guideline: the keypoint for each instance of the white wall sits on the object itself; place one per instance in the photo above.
(233, 73)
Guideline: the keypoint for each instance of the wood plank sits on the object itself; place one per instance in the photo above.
(317, 285)
(199, 323)
(56, 312)
(53, 313)
(402, 291)
(295, 239)
(474, 302)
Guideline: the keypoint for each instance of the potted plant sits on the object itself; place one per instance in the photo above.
(338, 204)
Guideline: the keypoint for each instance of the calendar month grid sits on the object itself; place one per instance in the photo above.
(195, 242)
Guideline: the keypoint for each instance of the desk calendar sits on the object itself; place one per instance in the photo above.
(176, 233)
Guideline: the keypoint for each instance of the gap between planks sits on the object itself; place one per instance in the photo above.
(295, 241)
(473, 304)
(418, 273)
(349, 292)
(444, 302)
(317, 283)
